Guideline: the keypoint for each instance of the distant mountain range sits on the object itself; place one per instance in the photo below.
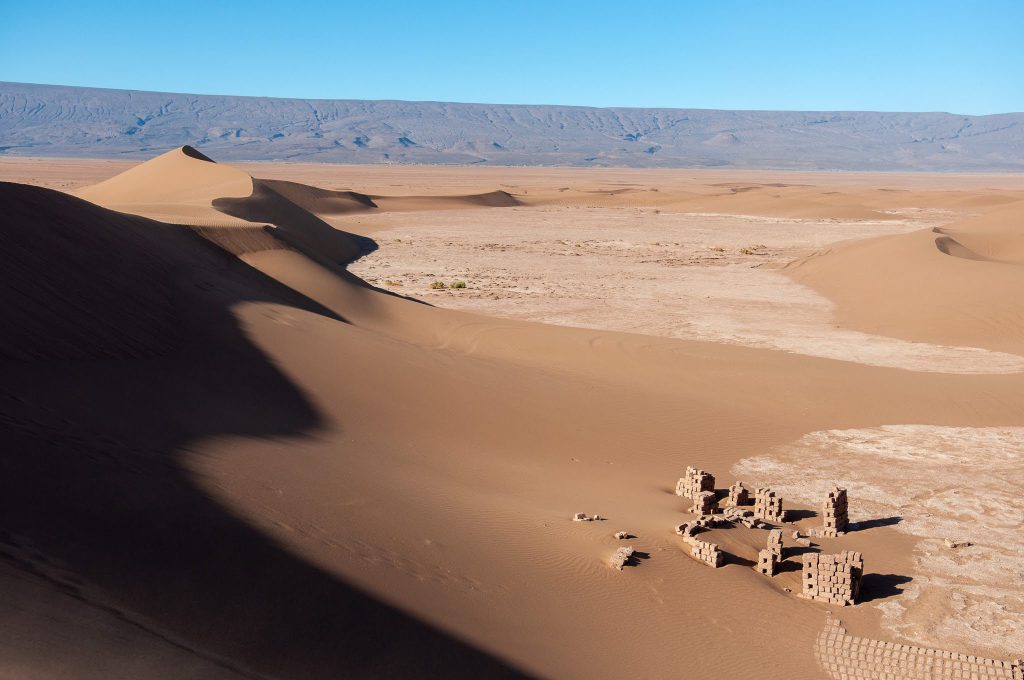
(51, 120)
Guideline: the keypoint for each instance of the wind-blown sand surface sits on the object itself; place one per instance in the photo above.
(232, 457)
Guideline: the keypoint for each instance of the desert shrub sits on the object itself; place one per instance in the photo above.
(458, 284)
(438, 285)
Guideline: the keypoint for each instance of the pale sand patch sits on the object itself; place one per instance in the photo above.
(704, 276)
(944, 482)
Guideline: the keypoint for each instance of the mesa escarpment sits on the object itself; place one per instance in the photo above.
(52, 120)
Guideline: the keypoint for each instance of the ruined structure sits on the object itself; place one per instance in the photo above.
(845, 657)
(738, 495)
(832, 578)
(775, 540)
(703, 551)
(703, 503)
(741, 515)
(769, 558)
(767, 562)
(768, 505)
(693, 482)
(834, 512)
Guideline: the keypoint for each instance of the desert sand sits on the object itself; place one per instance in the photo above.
(247, 438)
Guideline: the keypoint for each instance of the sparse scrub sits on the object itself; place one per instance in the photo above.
(438, 285)
(458, 284)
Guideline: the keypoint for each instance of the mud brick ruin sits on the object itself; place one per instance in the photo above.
(769, 558)
(833, 578)
(708, 553)
(834, 511)
(703, 503)
(767, 562)
(703, 551)
(738, 495)
(743, 516)
(693, 482)
(768, 505)
(844, 657)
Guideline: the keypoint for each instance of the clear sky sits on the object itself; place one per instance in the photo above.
(893, 55)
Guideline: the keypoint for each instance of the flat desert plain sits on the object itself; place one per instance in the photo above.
(296, 421)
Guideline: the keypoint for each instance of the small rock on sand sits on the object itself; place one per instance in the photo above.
(621, 535)
(581, 517)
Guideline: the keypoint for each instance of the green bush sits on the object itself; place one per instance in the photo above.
(438, 285)
(458, 284)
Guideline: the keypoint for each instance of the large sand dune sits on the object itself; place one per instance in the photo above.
(231, 456)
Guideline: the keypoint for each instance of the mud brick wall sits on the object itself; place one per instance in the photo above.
(835, 513)
(693, 482)
(738, 495)
(703, 551)
(767, 562)
(768, 559)
(775, 541)
(844, 657)
(768, 505)
(832, 578)
(703, 503)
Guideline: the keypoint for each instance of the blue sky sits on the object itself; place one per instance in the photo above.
(774, 54)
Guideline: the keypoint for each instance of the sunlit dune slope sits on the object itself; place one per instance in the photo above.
(960, 284)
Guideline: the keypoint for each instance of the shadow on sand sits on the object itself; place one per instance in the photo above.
(874, 523)
(92, 473)
(881, 586)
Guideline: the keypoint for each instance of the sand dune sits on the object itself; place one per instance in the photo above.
(952, 285)
(490, 199)
(321, 201)
(269, 466)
